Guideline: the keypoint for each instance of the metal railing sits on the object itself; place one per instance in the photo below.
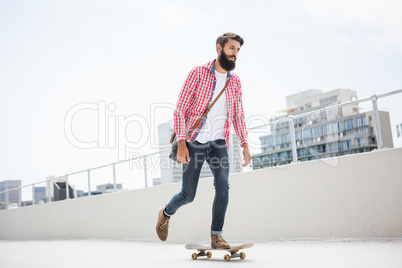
(87, 171)
(290, 119)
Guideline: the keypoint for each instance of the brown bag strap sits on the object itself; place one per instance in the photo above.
(205, 112)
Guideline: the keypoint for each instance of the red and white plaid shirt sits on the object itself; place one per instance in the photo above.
(195, 96)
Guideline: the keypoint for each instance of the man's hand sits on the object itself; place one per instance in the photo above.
(246, 155)
(182, 152)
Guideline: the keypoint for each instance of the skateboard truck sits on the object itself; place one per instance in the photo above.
(201, 253)
(234, 254)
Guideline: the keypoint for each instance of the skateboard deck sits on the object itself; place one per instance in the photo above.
(205, 251)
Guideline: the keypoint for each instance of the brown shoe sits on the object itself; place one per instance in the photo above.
(162, 226)
(217, 241)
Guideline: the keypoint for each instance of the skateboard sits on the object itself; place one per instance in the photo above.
(205, 251)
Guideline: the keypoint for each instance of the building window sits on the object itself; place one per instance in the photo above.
(340, 126)
(278, 139)
(265, 161)
(315, 131)
(256, 162)
(361, 121)
(331, 114)
(328, 100)
(334, 128)
(278, 147)
(350, 132)
(268, 141)
(306, 133)
(346, 145)
(285, 138)
(325, 129)
(363, 130)
(335, 147)
(303, 152)
(322, 114)
(359, 142)
(297, 135)
(349, 124)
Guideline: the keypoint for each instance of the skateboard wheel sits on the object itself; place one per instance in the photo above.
(209, 254)
(242, 255)
(226, 257)
(194, 256)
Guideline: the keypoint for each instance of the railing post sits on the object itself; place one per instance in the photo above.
(19, 196)
(33, 194)
(67, 188)
(377, 122)
(89, 182)
(293, 138)
(145, 171)
(48, 185)
(114, 177)
(7, 199)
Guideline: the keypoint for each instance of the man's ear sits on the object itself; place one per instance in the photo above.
(218, 48)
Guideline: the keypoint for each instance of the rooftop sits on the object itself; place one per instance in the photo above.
(120, 253)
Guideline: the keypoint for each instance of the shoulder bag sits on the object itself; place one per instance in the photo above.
(173, 141)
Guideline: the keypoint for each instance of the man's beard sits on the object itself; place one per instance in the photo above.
(225, 63)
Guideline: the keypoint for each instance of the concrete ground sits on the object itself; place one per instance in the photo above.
(121, 254)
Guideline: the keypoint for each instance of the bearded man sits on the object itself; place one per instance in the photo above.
(210, 139)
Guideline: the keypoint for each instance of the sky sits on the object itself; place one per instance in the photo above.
(86, 83)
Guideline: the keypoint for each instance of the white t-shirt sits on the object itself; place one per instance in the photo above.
(214, 125)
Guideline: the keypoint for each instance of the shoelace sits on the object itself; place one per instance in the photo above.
(219, 238)
(164, 224)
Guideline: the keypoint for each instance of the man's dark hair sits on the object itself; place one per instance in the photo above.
(224, 38)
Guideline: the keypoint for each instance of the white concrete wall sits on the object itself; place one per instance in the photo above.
(356, 196)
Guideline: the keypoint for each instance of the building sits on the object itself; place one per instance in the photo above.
(171, 171)
(26, 203)
(108, 188)
(60, 190)
(79, 193)
(50, 186)
(40, 195)
(13, 196)
(314, 99)
(323, 132)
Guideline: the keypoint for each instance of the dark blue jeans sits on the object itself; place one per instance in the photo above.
(216, 154)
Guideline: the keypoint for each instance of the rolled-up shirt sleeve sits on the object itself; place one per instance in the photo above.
(239, 121)
(185, 97)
